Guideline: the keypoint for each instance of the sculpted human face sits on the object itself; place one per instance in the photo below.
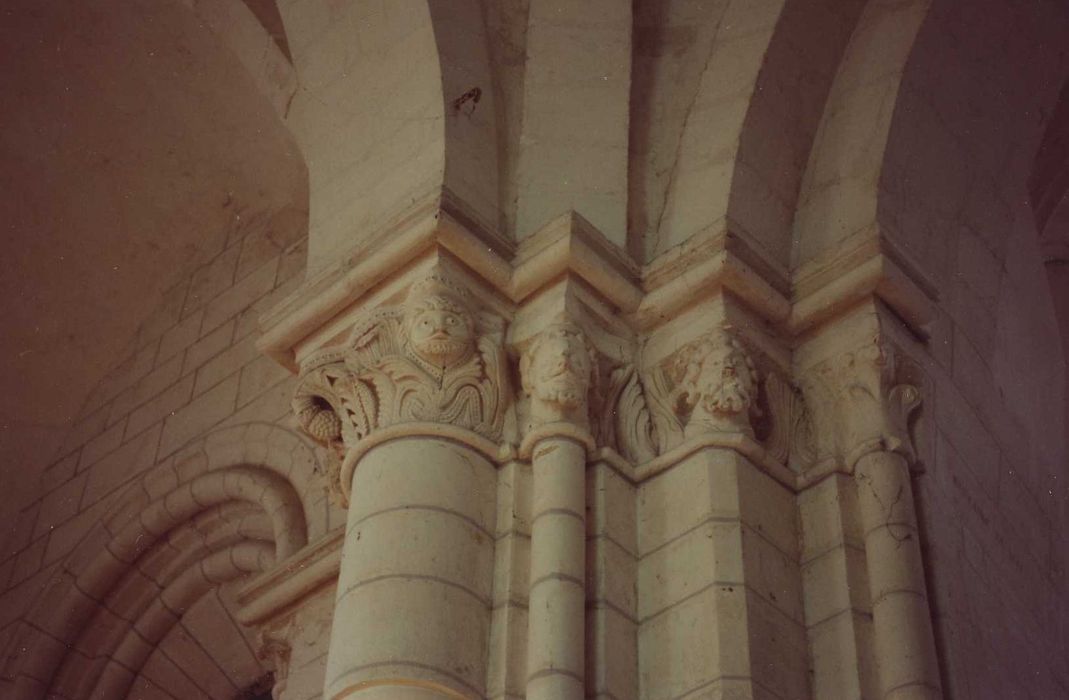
(561, 369)
(440, 336)
(722, 387)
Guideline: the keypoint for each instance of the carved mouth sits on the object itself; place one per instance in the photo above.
(442, 346)
(565, 396)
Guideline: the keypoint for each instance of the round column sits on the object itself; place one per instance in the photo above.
(412, 612)
(557, 598)
(907, 665)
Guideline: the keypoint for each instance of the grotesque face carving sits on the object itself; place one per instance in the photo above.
(718, 384)
(560, 366)
(441, 332)
(557, 371)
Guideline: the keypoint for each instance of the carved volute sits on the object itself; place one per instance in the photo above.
(856, 405)
(433, 359)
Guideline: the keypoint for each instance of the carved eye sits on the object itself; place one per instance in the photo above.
(451, 320)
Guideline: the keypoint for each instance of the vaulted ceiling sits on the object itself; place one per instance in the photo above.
(133, 143)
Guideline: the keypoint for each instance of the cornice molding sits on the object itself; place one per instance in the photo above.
(275, 591)
(864, 266)
(717, 262)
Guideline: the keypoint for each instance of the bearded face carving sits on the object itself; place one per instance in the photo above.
(439, 331)
(718, 387)
(557, 371)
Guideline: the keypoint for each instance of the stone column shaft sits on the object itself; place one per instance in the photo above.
(416, 395)
(557, 602)
(412, 614)
(902, 629)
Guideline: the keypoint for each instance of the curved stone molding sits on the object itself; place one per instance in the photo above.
(494, 452)
(115, 678)
(122, 617)
(433, 359)
(156, 522)
(272, 448)
(857, 407)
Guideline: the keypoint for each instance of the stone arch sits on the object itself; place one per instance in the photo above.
(200, 519)
(727, 99)
(1048, 182)
(469, 97)
(952, 201)
(253, 32)
(1048, 189)
(406, 86)
(785, 108)
(690, 103)
(938, 175)
(140, 640)
(840, 187)
(274, 448)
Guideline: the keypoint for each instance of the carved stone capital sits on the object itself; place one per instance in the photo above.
(708, 386)
(716, 386)
(856, 405)
(558, 370)
(433, 359)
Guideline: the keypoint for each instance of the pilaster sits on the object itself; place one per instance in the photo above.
(623, 472)
(859, 407)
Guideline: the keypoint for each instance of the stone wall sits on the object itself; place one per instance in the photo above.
(195, 370)
(993, 497)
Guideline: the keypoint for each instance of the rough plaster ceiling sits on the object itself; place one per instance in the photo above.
(130, 139)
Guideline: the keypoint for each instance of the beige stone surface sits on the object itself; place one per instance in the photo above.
(432, 612)
(673, 350)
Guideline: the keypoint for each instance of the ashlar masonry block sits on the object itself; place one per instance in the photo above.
(719, 600)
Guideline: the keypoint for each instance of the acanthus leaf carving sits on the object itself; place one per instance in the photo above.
(625, 420)
(790, 437)
(432, 359)
(666, 425)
